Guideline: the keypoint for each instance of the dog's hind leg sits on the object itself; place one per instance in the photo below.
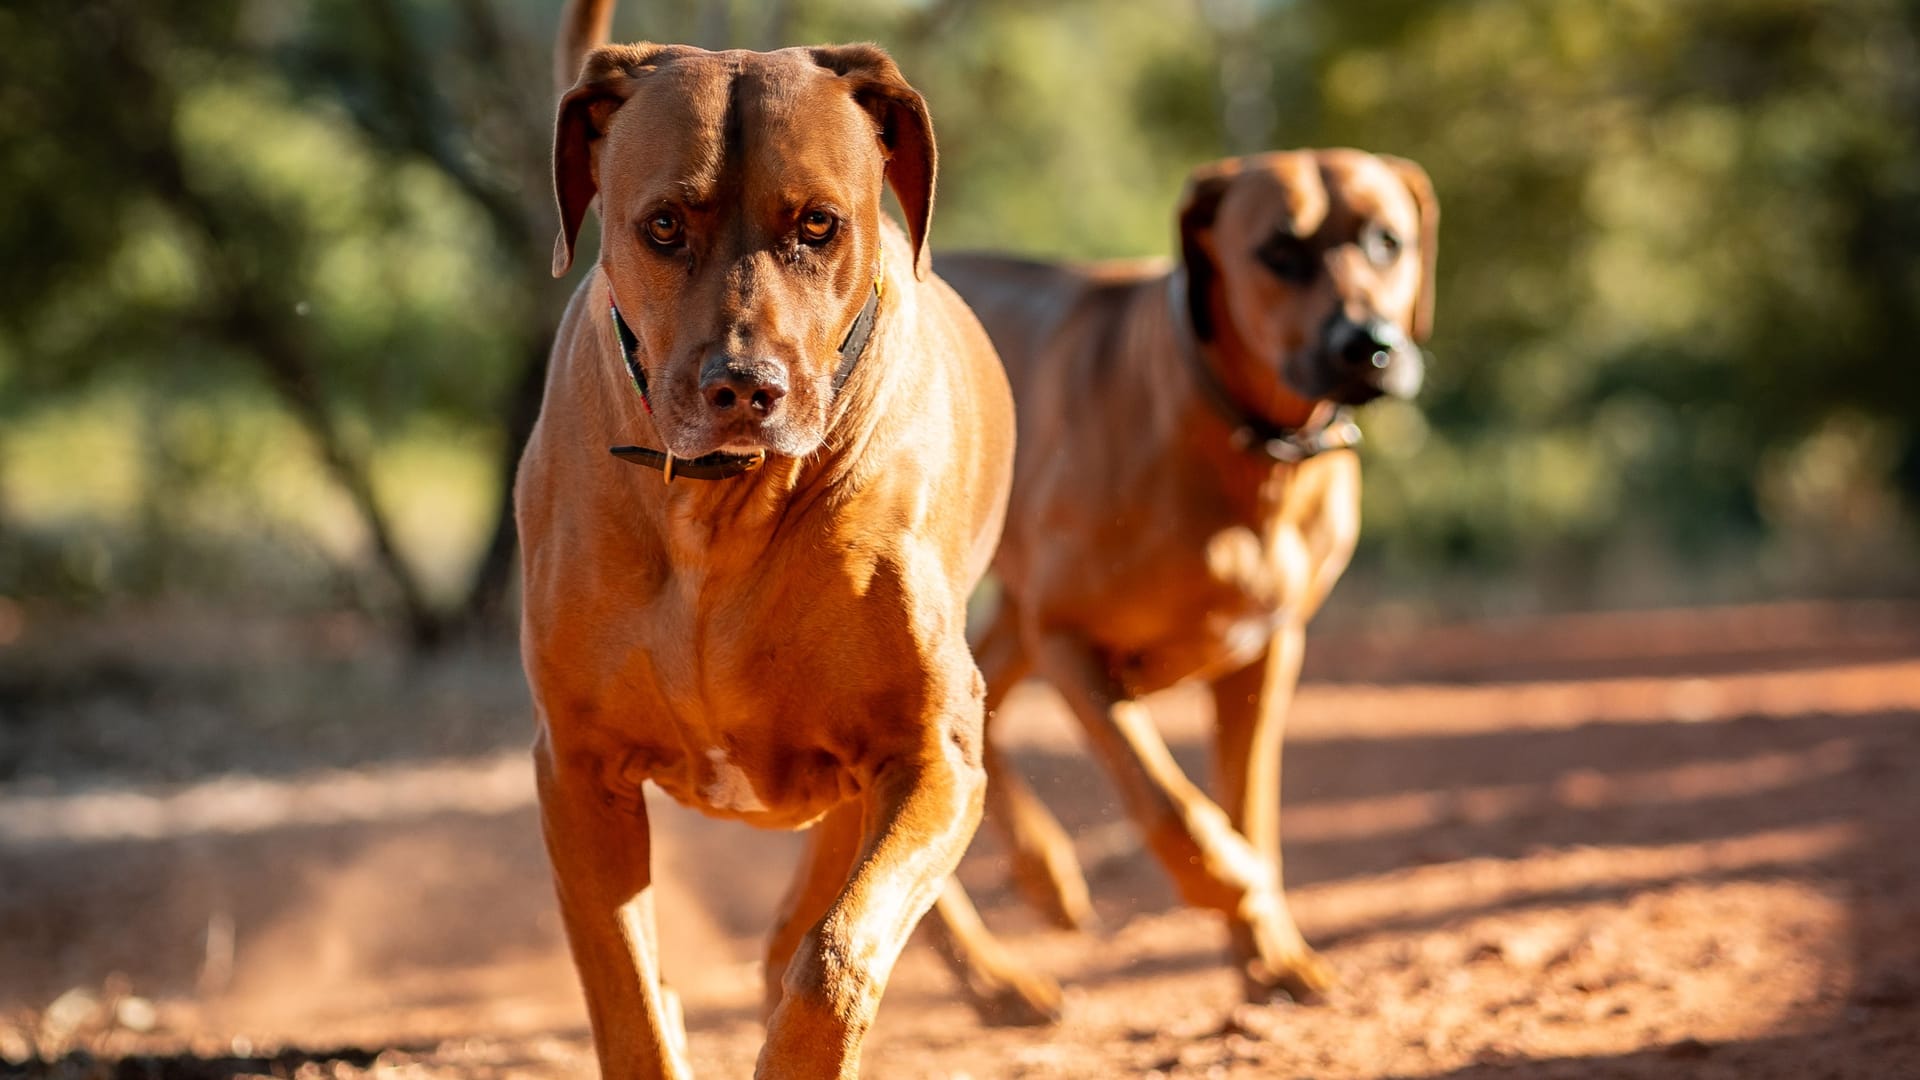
(1000, 986)
(831, 846)
(1044, 869)
(1250, 715)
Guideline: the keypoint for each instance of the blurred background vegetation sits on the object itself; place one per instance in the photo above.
(274, 305)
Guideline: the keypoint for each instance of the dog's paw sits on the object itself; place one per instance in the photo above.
(1017, 999)
(1275, 964)
(1049, 878)
(1303, 978)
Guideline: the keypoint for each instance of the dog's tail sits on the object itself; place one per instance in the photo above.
(584, 26)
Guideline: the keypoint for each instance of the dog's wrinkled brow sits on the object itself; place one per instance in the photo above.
(682, 117)
(723, 131)
(1372, 193)
(693, 194)
(1302, 208)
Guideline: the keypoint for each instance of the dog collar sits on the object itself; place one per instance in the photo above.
(721, 465)
(1329, 429)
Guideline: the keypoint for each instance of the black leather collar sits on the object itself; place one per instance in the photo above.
(1330, 429)
(721, 465)
(718, 465)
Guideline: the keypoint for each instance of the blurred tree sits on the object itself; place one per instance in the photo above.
(479, 114)
(183, 154)
(1680, 238)
(1680, 281)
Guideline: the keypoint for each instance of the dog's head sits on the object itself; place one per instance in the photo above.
(1313, 268)
(740, 211)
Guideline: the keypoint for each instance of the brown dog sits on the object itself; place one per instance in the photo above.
(1183, 501)
(778, 636)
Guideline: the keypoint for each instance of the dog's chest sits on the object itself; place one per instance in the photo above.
(725, 728)
(1210, 605)
(727, 787)
(1211, 581)
(749, 771)
(753, 703)
(1249, 579)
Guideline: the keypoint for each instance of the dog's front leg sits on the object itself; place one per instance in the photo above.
(1250, 717)
(595, 824)
(1211, 864)
(919, 814)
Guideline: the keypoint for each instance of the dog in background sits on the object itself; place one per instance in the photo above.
(1185, 495)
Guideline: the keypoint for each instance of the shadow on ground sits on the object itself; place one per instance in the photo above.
(1497, 889)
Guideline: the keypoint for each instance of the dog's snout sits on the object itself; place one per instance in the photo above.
(1361, 358)
(1368, 344)
(743, 386)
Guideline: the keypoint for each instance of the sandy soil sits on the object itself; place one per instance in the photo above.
(1671, 844)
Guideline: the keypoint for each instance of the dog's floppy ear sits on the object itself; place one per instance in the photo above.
(1421, 188)
(906, 132)
(606, 80)
(1199, 204)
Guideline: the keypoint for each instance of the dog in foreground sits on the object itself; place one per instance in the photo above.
(771, 627)
(1184, 498)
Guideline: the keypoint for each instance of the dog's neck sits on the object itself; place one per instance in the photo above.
(1260, 416)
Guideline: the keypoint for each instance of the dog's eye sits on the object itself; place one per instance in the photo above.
(664, 230)
(1289, 258)
(1381, 244)
(817, 226)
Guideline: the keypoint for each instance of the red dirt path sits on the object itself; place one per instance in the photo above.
(1682, 844)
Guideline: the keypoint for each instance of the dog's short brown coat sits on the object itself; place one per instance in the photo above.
(1148, 544)
(784, 647)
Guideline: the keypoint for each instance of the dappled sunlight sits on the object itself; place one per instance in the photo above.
(1605, 759)
(1588, 885)
(1322, 820)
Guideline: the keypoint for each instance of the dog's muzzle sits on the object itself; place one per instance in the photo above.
(1360, 361)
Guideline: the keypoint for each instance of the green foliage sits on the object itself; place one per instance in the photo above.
(1679, 240)
(216, 223)
(1679, 291)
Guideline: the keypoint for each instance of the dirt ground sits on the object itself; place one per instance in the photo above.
(1664, 844)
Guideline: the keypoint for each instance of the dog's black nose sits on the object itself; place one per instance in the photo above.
(753, 387)
(1368, 345)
